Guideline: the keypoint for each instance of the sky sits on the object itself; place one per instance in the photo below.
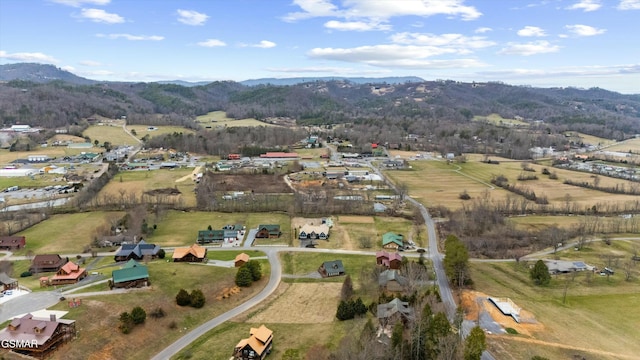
(541, 43)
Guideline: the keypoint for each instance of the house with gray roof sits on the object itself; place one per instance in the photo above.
(137, 251)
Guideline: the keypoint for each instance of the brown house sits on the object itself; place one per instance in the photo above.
(47, 263)
(389, 260)
(256, 347)
(12, 242)
(268, 231)
(70, 273)
(241, 259)
(7, 282)
(37, 337)
(194, 253)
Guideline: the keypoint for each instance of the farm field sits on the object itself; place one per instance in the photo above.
(448, 181)
(65, 233)
(98, 315)
(113, 133)
(594, 306)
(631, 145)
(143, 130)
(592, 140)
(498, 120)
(220, 119)
(132, 184)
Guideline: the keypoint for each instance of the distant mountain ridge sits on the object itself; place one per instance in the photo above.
(356, 80)
(40, 73)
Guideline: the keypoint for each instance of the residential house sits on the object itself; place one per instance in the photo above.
(233, 232)
(47, 263)
(215, 237)
(392, 281)
(132, 274)
(256, 346)
(7, 282)
(393, 241)
(137, 251)
(270, 231)
(70, 273)
(12, 242)
(241, 259)
(389, 260)
(564, 266)
(394, 311)
(37, 337)
(331, 268)
(193, 253)
(116, 240)
(314, 232)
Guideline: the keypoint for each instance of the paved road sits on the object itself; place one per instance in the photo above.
(274, 280)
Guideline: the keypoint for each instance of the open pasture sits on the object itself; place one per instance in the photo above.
(631, 145)
(144, 130)
(594, 306)
(220, 119)
(303, 303)
(591, 140)
(438, 183)
(112, 133)
(303, 263)
(66, 233)
(498, 120)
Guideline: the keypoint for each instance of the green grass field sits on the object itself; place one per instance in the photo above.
(300, 263)
(220, 119)
(496, 119)
(112, 133)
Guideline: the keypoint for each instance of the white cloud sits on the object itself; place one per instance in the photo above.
(191, 17)
(68, 68)
(132, 37)
(530, 48)
(462, 44)
(212, 43)
(482, 30)
(584, 30)
(528, 31)
(593, 70)
(28, 57)
(90, 63)
(356, 26)
(382, 9)
(629, 5)
(101, 16)
(264, 44)
(586, 5)
(79, 3)
(397, 56)
(329, 70)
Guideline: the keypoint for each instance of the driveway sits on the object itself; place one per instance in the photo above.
(27, 303)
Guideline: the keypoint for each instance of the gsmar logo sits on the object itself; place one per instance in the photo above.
(19, 344)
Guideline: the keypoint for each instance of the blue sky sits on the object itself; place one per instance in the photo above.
(582, 43)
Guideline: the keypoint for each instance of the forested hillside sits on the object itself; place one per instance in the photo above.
(439, 111)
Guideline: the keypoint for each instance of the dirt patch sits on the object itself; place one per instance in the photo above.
(257, 183)
(164, 191)
(356, 219)
(191, 176)
(303, 304)
(474, 302)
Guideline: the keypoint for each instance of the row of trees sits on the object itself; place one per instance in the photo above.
(248, 273)
(194, 299)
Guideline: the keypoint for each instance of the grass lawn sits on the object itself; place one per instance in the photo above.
(594, 306)
(227, 255)
(220, 119)
(112, 133)
(301, 263)
(66, 233)
(132, 184)
(97, 318)
(180, 228)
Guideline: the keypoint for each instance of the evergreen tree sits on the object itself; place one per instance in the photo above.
(396, 335)
(126, 323)
(456, 261)
(183, 298)
(197, 298)
(540, 273)
(359, 308)
(345, 311)
(475, 344)
(243, 277)
(255, 268)
(138, 315)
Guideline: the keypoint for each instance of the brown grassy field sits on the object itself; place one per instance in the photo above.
(438, 183)
(496, 119)
(631, 145)
(143, 130)
(220, 119)
(113, 133)
(303, 303)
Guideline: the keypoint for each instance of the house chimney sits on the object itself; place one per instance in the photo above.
(52, 317)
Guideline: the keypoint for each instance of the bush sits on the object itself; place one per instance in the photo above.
(26, 274)
(511, 331)
(255, 268)
(138, 315)
(243, 277)
(157, 313)
(183, 298)
(126, 323)
(161, 254)
(173, 325)
(197, 298)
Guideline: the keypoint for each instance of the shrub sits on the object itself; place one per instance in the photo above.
(197, 298)
(26, 274)
(126, 323)
(511, 331)
(243, 277)
(173, 325)
(138, 315)
(157, 313)
(464, 195)
(161, 254)
(255, 268)
(183, 298)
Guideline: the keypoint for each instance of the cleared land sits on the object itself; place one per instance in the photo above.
(591, 140)
(594, 306)
(438, 183)
(219, 119)
(302, 264)
(303, 303)
(113, 133)
(498, 120)
(143, 130)
(631, 145)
